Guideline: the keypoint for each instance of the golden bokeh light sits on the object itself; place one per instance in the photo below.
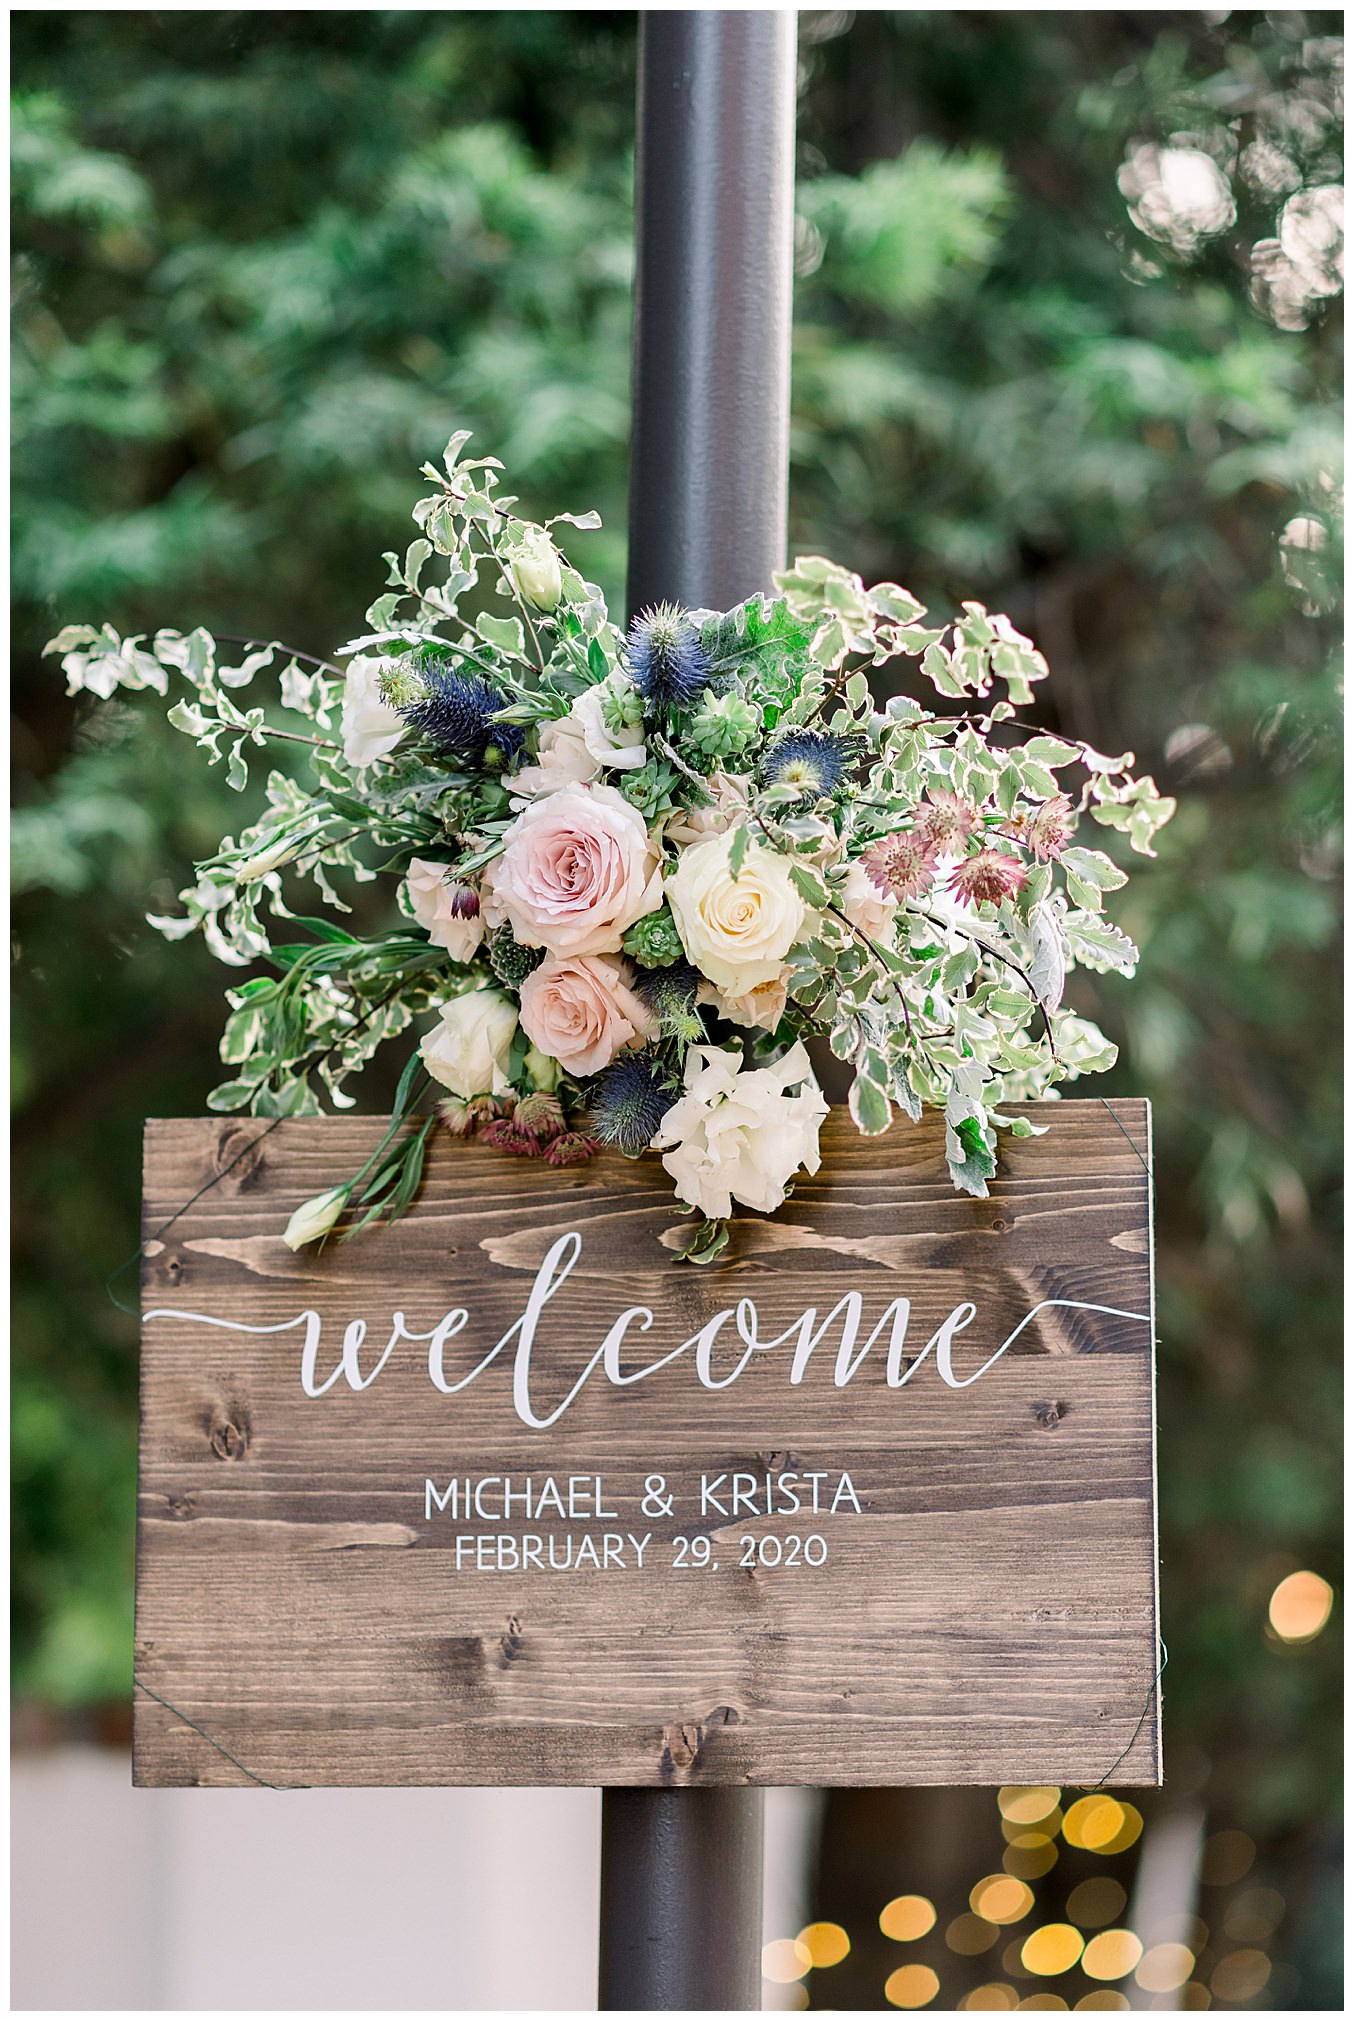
(784, 1960)
(1194, 1997)
(1049, 2002)
(1227, 1856)
(1027, 1803)
(1093, 1903)
(791, 1999)
(1164, 1967)
(1104, 2000)
(826, 1943)
(1300, 1606)
(1029, 1854)
(1100, 1824)
(906, 1918)
(994, 1998)
(1239, 1977)
(1001, 1898)
(911, 1986)
(1111, 1955)
(1254, 1915)
(971, 1935)
(1054, 1948)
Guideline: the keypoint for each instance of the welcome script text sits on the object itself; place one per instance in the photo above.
(732, 1332)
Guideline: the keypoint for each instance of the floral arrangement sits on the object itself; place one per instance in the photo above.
(634, 872)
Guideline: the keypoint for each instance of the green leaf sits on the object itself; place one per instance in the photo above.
(738, 849)
(869, 1105)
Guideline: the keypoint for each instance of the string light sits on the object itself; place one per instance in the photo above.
(993, 1998)
(1164, 1967)
(1029, 1854)
(1239, 1977)
(1103, 2000)
(906, 1918)
(784, 1960)
(1111, 1955)
(1000, 1898)
(971, 1935)
(1253, 1916)
(1027, 1804)
(911, 1986)
(826, 1943)
(1096, 1902)
(1227, 1856)
(1300, 1606)
(1054, 1948)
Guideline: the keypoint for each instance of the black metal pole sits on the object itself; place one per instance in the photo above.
(681, 1892)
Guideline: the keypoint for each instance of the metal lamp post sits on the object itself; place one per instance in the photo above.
(714, 207)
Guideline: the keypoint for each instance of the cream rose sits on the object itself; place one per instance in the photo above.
(371, 728)
(738, 1133)
(762, 1007)
(621, 750)
(581, 1011)
(578, 869)
(737, 931)
(728, 807)
(467, 1050)
(430, 893)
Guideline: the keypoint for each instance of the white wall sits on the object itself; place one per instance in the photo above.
(345, 1899)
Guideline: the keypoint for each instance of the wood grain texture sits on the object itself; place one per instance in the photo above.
(989, 1615)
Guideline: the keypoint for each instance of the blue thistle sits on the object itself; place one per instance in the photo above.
(814, 761)
(667, 661)
(670, 994)
(629, 1101)
(456, 711)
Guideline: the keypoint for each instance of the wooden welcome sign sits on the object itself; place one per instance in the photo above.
(505, 1494)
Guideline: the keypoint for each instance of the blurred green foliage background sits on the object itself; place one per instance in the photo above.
(1067, 340)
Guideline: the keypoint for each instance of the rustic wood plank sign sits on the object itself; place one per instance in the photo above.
(505, 1494)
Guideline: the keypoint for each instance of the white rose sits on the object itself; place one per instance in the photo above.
(622, 751)
(738, 1134)
(867, 907)
(467, 1050)
(371, 728)
(737, 931)
(430, 893)
(563, 758)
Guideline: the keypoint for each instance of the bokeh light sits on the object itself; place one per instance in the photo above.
(826, 1943)
(1100, 1824)
(1254, 1915)
(1053, 1948)
(1194, 1997)
(1030, 1854)
(1227, 1856)
(906, 1918)
(1027, 1803)
(1164, 1967)
(1049, 2002)
(1240, 1976)
(1104, 2000)
(1300, 1606)
(1111, 1955)
(970, 1936)
(911, 1986)
(1001, 1898)
(1094, 1903)
(993, 1998)
(784, 1960)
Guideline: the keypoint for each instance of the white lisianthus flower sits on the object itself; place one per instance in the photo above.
(467, 1050)
(371, 728)
(314, 1218)
(738, 1133)
(432, 893)
(737, 931)
(760, 1008)
(623, 749)
(536, 569)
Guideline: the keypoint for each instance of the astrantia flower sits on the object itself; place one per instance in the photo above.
(988, 878)
(901, 866)
(457, 711)
(573, 1148)
(945, 820)
(814, 761)
(629, 1102)
(667, 662)
(1052, 828)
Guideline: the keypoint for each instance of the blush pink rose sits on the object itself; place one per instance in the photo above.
(578, 869)
(581, 1011)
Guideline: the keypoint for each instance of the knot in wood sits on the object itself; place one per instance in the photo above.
(228, 1440)
(237, 1159)
(1049, 1414)
(682, 1743)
